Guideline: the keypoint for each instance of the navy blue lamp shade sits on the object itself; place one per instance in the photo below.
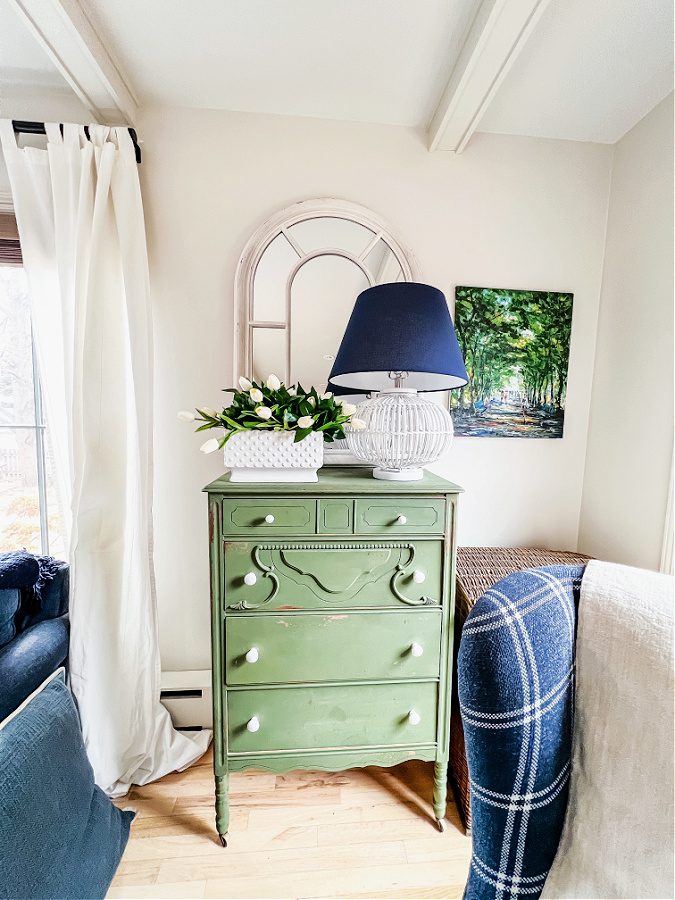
(401, 327)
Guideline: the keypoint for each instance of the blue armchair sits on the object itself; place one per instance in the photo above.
(34, 629)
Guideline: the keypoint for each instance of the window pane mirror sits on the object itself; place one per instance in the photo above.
(297, 281)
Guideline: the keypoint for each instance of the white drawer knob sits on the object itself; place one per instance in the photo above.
(402, 520)
(415, 649)
(253, 655)
(419, 577)
(414, 717)
(250, 578)
(269, 518)
(253, 724)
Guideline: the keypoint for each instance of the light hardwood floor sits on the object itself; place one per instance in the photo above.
(364, 833)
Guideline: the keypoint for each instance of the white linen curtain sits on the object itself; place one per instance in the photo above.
(80, 218)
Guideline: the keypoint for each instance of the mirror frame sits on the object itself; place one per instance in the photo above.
(326, 207)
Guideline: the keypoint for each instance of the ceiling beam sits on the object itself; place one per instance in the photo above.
(498, 33)
(68, 38)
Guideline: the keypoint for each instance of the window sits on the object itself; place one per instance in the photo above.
(29, 507)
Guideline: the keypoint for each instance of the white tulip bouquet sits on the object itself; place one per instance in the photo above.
(275, 407)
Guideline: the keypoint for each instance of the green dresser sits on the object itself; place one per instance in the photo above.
(332, 613)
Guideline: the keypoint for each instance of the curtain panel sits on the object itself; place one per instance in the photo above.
(80, 220)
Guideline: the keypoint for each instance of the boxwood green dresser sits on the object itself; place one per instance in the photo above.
(332, 612)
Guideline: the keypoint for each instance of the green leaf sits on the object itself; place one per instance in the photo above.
(231, 422)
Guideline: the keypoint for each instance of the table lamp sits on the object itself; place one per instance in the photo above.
(399, 341)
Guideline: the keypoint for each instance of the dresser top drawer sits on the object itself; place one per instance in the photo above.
(277, 516)
(250, 516)
(400, 515)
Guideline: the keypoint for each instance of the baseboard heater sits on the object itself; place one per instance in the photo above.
(187, 697)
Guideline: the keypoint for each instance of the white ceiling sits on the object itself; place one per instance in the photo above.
(592, 70)
(31, 87)
(381, 61)
(588, 70)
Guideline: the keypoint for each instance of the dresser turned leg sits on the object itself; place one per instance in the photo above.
(222, 808)
(440, 792)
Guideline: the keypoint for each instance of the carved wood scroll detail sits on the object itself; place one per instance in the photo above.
(295, 571)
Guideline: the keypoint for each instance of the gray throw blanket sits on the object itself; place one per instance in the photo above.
(617, 840)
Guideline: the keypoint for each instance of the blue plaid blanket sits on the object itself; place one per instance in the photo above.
(516, 692)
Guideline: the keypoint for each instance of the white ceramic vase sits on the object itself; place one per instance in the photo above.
(273, 456)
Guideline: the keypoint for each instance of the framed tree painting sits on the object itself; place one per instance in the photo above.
(516, 348)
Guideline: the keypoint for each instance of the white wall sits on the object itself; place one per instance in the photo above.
(510, 212)
(631, 432)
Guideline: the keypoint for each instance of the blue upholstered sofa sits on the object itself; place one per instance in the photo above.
(33, 624)
(60, 837)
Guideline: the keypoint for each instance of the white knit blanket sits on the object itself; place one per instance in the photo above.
(617, 841)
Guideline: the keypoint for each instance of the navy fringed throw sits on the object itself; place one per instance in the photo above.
(32, 576)
(19, 569)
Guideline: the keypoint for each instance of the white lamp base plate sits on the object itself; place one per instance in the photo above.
(398, 474)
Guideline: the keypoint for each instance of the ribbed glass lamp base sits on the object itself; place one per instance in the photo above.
(411, 474)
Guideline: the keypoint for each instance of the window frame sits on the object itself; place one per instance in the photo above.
(39, 426)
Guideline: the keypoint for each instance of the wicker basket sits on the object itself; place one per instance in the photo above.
(478, 568)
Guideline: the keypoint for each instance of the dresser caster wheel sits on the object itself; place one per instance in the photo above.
(440, 824)
(223, 839)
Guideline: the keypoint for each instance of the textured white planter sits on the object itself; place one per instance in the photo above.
(272, 456)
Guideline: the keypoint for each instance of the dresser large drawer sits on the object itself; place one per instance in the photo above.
(305, 718)
(332, 647)
(272, 517)
(323, 575)
(400, 516)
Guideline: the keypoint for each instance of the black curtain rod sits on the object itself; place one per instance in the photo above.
(39, 128)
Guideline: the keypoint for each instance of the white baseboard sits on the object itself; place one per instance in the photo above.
(188, 698)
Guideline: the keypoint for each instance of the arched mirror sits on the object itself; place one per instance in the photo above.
(297, 281)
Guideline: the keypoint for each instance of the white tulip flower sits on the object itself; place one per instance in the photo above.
(348, 409)
(244, 383)
(357, 424)
(311, 401)
(327, 395)
(210, 445)
(207, 411)
(263, 412)
(186, 416)
(305, 421)
(292, 391)
(255, 395)
(273, 383)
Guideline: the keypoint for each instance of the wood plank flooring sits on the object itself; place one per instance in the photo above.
(364, 833)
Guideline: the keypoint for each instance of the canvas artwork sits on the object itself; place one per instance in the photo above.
(516, 348)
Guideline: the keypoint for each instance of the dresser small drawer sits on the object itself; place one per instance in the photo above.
(400, 516)
(327, 575)
(336, 516)
(332, 647)
(274, 517)
(306, 718)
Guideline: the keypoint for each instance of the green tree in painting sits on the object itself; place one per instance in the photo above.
(516, 350)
